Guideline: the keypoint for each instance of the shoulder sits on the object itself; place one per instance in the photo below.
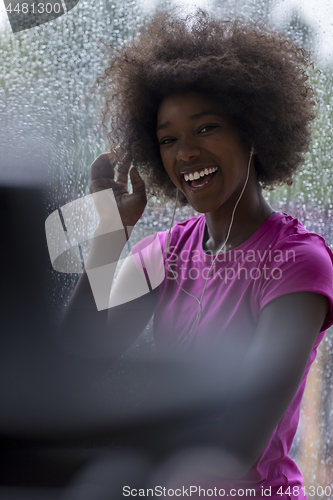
(297, 261)
(298, 244)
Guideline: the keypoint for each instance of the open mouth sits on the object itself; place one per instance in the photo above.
(201, 177)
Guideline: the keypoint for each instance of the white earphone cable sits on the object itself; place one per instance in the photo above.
(218, 253)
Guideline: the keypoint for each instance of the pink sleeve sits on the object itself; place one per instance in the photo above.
(300, 263)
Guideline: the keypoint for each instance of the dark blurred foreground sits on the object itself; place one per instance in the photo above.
(83, 428)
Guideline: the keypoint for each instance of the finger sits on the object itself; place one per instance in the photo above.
(117, 151)
(102, 167)
(137, 182)
(123, 169)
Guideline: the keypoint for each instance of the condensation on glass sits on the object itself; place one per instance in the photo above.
(46, 111)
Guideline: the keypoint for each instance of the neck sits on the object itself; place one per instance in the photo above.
(251, 212)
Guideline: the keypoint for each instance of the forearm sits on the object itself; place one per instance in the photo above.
(111, 326)
(258, 398)
(265, 383)
(85, 320)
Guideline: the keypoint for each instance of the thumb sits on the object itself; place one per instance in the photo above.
(137, 182)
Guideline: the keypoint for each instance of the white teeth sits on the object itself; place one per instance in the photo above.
(196, 175)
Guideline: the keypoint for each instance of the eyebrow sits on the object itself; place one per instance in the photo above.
(192, 117)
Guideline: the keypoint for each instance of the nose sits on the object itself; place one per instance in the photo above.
(188, 150)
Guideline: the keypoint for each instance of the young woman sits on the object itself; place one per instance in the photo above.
(210, 112)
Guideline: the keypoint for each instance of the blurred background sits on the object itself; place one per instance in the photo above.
(46, 110)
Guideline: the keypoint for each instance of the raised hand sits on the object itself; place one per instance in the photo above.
(130, 205)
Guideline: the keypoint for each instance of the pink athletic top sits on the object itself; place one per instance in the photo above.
(281, 257)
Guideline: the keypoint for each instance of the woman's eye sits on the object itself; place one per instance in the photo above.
(166, 141)
(207, 128)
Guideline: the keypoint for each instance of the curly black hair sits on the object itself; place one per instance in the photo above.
(258, 75)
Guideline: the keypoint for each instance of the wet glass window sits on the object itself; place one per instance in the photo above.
(50, 58)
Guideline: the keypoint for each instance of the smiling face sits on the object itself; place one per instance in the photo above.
(202, 152)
